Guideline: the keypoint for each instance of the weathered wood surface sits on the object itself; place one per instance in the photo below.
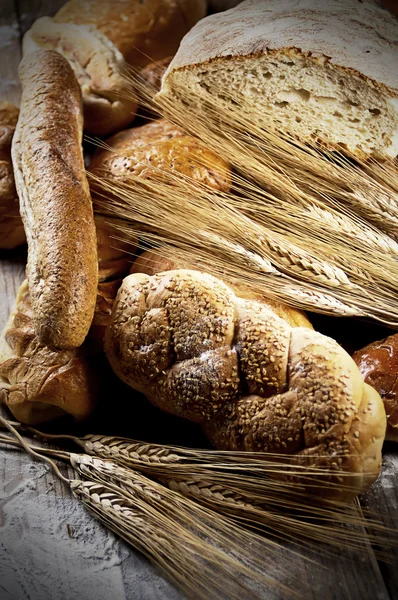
(51, 549)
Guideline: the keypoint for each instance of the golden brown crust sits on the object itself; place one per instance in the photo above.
(39, 384)
(250, 379)
(151, 262)
(143, 31)
(157, 148)
(55, 201)
(12, 233)
(98, 66)
(378, 364)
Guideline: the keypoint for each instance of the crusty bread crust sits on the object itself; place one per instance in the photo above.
(55, 201)
(99, 68)
(151, 263)
(143, 31)
(378, 363)
(320, 71)
(151, 150)
(12, 233)
(352, 34)
(37, 383)
(253, 382)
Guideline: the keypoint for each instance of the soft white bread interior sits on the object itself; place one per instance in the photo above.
(318, 70)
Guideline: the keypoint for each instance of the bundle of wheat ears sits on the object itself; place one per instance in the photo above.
(199, 514)
(311, 227)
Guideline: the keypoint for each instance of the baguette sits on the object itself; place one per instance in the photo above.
(12, 233)
(55, 201)
(254, 383)
(317, 70)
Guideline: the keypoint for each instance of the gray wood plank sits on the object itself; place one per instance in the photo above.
(9, 52)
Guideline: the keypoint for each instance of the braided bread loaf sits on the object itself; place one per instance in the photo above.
(254, 382)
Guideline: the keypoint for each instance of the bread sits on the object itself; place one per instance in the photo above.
(12, 233)
(99, 68)
(151, 263)
(55, 201)
(38, 384)
(197, 350)
(378, 364)
(318, 70)
(143, 30)
(151, 150)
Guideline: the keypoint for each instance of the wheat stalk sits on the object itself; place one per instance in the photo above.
(283, 191)
(241, 485)
(199, 550)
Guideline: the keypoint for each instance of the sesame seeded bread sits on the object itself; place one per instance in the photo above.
(254, 383)
(318, 70)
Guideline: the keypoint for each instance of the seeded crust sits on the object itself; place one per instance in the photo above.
(38, 384)
(12, 233)
(253, 382)
(378, 364)
(150, 263)
(151, 150)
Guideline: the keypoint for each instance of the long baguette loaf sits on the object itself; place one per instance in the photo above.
(318, 70)
(253, 382)
(55, 201)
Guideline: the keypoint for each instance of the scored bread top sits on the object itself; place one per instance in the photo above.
(55, 201)
(353, 34)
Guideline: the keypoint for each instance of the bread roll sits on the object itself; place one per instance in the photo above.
(143, 31)
(154, 149)
(99, 68)
(12, 233)
(378, 364)
(197, 350)
(55, 201)
(318, 70)
(38, 384)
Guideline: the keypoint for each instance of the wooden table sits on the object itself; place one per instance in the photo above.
(50, 548)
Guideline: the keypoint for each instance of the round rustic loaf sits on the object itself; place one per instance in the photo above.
(378, 363)
(143, 30)
(197, 350)
(318, 70)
